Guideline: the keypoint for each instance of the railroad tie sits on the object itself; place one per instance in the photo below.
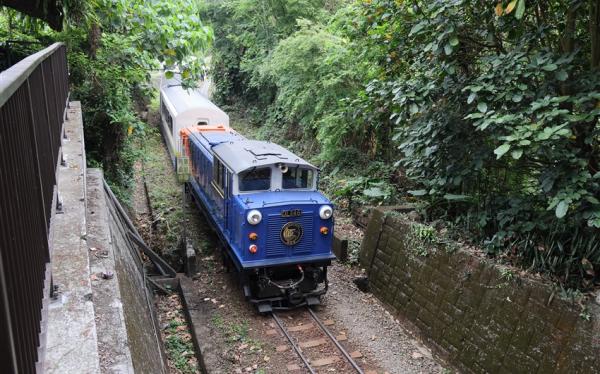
(293, 367)
(312, 343)
(308, 326)
(325, 361)
(356, 354)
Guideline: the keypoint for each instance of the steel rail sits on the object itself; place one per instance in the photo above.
(289, 338)
(335, 341)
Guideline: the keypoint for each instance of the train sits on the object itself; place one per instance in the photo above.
(261, 199)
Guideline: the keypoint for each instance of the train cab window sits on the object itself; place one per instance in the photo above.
(297, 178)
(220, 177)
(255, 180)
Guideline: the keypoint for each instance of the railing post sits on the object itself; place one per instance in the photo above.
(45, 93)
(8, 355)
(36, 165)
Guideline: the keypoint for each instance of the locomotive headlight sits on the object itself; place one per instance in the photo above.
(325, 212)
(254, 217)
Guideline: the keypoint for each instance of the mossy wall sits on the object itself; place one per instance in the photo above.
(480, 317)
(138, 306)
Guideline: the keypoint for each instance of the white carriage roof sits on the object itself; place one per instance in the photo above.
(246, 154)
(184, 100)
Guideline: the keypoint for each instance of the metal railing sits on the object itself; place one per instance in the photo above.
(33, 99)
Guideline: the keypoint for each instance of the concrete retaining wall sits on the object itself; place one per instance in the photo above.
(128, 332)
(143, 331)
(480, 317)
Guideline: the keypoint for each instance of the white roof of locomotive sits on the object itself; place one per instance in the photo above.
(191, 103)
(245, 154)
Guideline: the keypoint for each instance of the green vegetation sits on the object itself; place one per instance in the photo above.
(422, 239)
(179, 346)
(112, 47)
(165, 229)
(178, 342)
(165, 194)
(486, 114)
(234, 333)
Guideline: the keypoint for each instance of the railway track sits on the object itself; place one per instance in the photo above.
(308, 339)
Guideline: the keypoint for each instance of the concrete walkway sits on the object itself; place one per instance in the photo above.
(102, 320)
(72, 345)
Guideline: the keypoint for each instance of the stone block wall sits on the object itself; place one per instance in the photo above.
(481, 318)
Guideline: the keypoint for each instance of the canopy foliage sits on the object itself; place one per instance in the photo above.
(487, 113)
(113, 45)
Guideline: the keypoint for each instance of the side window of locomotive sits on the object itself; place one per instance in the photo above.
(219, 177)
(297, 178)
(255, 180)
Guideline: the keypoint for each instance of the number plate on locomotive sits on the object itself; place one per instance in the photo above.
(291, 213)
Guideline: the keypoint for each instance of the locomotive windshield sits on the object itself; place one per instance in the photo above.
(297, 178)
(255, 180)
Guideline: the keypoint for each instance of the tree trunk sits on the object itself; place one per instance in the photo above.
(94, 39)
(594, 28)
(568, 39)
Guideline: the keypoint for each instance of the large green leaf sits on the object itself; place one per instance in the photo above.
(471, 97)
(453, 197)
(448, 48)
(418, 192)
(561, 209)
(418, 27)
(374, 192)
(500, 151)
(520, 9)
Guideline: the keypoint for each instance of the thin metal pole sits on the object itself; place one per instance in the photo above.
(289, 338)
(334, 340)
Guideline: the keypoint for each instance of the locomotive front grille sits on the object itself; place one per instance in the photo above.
(276, 248)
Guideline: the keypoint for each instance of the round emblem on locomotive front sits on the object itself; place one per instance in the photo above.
(291, 233)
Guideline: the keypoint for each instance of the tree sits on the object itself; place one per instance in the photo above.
(487, 112)
(49, 11)
(497, 115)
(112, 46)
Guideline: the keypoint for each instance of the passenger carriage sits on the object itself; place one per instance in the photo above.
(181, 108)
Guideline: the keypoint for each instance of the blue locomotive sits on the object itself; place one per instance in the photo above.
(262, 201)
